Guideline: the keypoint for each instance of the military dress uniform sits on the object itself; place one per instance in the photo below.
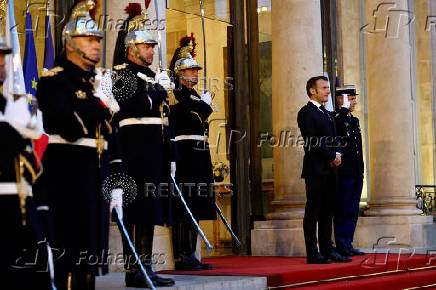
(145, 148)
(144, 142)
(76, 163)
(350, 181)
(194, 173)
(22, 236)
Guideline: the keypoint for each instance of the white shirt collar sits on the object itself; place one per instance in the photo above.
(315, 103)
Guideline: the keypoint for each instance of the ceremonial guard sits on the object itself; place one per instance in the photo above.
(350, 172)
(194, 167)
(22, 240)
(77, 117)
(144, 141)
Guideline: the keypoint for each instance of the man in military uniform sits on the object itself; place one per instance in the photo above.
(194, 166)
(350, 172)
(76, 160)
(144, 141)
(22, 239)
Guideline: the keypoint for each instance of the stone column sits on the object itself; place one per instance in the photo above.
(296, 56)
(392, 203)
(390, 114)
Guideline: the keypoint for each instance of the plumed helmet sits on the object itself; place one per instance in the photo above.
(184, 56)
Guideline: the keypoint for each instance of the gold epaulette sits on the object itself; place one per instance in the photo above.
(52, 72)
(120, 66)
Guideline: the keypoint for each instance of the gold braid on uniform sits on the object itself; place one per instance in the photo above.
(99, 142)
(161, 110)
(198, 116)
(205, 130)
(108, 126)
(22, 195)
(29, 167)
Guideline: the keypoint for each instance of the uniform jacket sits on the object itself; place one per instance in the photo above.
(194, 166)
(348, 129)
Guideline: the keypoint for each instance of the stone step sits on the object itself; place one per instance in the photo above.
(115, 281)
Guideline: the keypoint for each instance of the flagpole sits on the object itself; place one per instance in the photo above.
(48, 8)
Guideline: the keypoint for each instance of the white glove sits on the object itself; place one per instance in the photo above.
(145, 78)
(164, 80)
(105, 96)
(173, 169)
(346, 103)
(206, 97)
(117, 201)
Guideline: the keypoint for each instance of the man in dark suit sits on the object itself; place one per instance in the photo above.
(321, 159)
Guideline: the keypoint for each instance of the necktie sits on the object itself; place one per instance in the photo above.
(323, 109)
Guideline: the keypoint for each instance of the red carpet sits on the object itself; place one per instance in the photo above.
(290, 270)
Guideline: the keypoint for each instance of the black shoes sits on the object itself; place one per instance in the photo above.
(350, 252)
(344, 252)
(318, 259)
(356, 252)
(191, 263)
(136, 279)
(338, 258)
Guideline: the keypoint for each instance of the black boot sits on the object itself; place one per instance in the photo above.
(158, 280)
(135, 278)
(202, 266)
(187, 263)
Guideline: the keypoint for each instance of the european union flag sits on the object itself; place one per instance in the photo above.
(30, 65)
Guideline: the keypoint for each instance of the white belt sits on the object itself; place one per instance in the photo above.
(86, 142)
(8, 188)
(144, 121)
(11, 188)
(190, 137)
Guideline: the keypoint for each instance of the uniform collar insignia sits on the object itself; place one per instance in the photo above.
(81, 95)
(52, 72)
(120, 66)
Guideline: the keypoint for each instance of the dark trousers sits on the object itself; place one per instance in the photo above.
(141, 236)
(184, 239)
(347, 211)
(320, 193)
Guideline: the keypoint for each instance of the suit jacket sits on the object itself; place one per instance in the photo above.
(319, 132)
